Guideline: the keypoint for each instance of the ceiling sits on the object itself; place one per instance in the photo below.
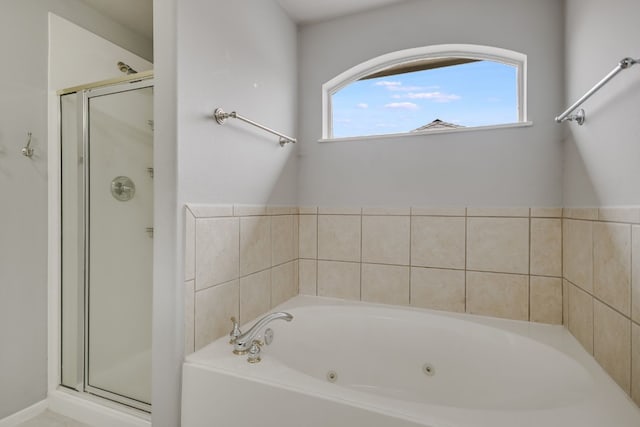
(307, 11)
(137, 15)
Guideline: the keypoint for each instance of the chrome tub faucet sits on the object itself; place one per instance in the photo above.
(242, 342)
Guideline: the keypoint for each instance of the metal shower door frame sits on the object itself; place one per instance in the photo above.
(87, 95)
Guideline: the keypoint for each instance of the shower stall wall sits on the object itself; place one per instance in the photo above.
(107, 240)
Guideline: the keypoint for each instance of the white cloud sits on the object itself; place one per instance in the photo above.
(402, 105)
(434, 96)
(363, 105)
(396, 86)
(388, 84)
(410, 88)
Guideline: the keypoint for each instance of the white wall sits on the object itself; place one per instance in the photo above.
(601, 157)
(509, 167)
(208, 54)
(238, 56)
(168, 314)
(23, 186)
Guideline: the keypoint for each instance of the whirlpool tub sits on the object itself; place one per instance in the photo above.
(340, 364)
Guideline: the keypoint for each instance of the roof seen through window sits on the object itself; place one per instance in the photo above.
(478, 93)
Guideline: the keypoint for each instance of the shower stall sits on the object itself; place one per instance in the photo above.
(107, 239)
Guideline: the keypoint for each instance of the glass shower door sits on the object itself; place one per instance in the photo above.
(107, 241)
(120, 244)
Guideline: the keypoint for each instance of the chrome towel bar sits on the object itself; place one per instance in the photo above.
(221, 117)
(579, 117)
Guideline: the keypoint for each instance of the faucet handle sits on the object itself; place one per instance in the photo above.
(235, 331)
(254, 352)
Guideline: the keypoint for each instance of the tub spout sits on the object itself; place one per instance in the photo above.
(243, 342)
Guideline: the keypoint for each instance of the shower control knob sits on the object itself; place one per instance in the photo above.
(122, 188)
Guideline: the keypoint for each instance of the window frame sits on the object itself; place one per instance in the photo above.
(379, 63)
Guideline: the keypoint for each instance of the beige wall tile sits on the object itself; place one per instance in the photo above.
(498, 295)
(282, 210)
(296, 236)
(612, 265)
(546, 212)
(577, 253)
(308, 275)
(439, 211)
(635, 363)
(612, 343)
(512, 212)
(189, 245)
(217, 242)
(339, 279)
(620, 214)
(385, 239)
(189, 308)
(214, 307)
(581, 316)
(283, 283)
(590, 214)
(565, 303)
(438, 242)
(308, 210)
(339, 211)
(498, 245)
(249, 210)
(545, 300)
(255, 244)
(255, 295)
(282, 243)
(635, 274)
(386, 211)
(210, 211)
(308, 237)
(546, 247)
(438, 289)
(339, 237)
(387, 284)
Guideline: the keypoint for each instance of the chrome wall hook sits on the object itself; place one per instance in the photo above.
(28, 151)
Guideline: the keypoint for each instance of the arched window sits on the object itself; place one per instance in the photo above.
(420, 90)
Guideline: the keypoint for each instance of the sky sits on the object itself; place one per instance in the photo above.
(474, 94)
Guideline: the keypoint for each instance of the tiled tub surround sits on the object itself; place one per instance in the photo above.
(239, 261)
(602, 288)
(243, 260)
(497, 262)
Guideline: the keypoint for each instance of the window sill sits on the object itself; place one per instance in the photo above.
(429, 132)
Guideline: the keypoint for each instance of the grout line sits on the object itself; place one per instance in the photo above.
(529, 264)
(410, 253)
(466, 238)
(317, 249)
(601, 301)
(631, 301)
(562, 273)
(361, 239)
(593, 286)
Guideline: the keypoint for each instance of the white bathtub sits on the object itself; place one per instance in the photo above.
(484, 372)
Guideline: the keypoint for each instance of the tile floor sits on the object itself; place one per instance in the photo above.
(51, 419)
